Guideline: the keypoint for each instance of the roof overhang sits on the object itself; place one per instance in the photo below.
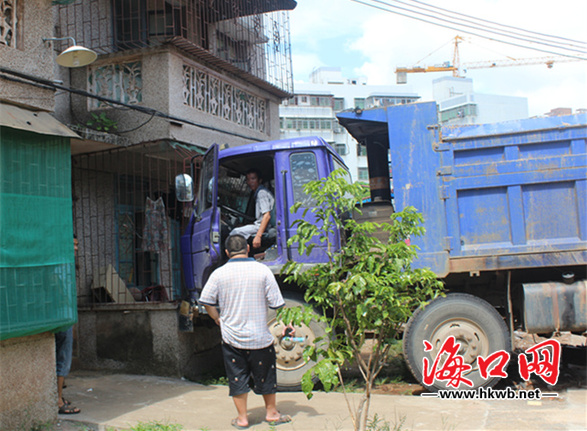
(229, 9)
(40, 122)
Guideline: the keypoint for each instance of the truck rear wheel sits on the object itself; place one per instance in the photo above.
(290, 362)
(474, 323)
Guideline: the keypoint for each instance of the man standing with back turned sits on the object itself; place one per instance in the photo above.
(243, 289)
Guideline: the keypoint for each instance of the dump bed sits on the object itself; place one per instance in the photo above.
(494, 196)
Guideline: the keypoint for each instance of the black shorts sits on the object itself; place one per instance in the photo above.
(241, 365)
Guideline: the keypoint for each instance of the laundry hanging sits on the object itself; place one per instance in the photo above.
(156, 230)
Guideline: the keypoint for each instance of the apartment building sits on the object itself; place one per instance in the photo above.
(312, 111)
(459, 104)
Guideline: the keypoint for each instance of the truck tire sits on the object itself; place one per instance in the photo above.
(475, 324)
(290, 362)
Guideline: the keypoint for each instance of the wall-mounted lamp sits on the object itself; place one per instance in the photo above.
(74, 56)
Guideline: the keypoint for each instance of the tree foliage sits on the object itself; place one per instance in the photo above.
(367, 288)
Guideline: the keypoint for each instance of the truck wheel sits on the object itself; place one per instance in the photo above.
(474, 323)
(290, 362)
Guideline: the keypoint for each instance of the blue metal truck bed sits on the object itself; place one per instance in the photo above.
(495, 196)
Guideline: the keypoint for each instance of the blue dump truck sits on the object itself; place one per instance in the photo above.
(505, 209)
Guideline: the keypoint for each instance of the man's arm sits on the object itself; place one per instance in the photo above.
(213, 313)
(264, 223)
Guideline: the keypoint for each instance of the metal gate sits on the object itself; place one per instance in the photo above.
(128, 223)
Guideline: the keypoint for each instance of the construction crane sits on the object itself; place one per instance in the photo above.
(455, 67)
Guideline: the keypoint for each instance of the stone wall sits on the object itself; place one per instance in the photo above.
(145, 339)
(27, 53)
(28, 382)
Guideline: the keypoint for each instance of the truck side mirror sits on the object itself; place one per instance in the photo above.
(184, 188)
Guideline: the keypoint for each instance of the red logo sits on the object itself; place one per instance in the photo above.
(450, 367)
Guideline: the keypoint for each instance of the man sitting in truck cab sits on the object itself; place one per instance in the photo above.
(263, 202)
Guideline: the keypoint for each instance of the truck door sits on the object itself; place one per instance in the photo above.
(205, 237)
(304, 166)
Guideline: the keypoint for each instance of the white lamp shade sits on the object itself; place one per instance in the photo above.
(76, 56)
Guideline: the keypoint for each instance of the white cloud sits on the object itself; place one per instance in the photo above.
(304, 64)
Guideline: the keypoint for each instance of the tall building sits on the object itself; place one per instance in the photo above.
(459, 104)
(311, 111)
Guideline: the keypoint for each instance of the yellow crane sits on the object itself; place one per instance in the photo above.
(455, 67)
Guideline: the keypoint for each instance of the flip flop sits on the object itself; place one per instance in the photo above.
(283, 419)
(67, 409)
(235, 424)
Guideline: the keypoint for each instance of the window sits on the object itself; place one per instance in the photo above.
(137, 24)
(320, 101)
(347, 176)
(338, 104)
(359, 103)
(307, 123)
(361, 150)
(303, 169)
(341, 149)
(458, 112)
(363, 174)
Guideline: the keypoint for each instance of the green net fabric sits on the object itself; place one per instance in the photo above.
(37, 267)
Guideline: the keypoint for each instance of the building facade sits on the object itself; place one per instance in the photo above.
(37, 283)
(312, 111)
(458, 104)
(171, 78)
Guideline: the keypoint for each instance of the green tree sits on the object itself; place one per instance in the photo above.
(368, 286)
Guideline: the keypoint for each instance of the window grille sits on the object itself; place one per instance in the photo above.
(8, 22)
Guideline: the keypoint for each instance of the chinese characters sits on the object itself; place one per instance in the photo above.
(451, 368)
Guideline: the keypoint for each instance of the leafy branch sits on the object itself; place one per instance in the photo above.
(368, 286)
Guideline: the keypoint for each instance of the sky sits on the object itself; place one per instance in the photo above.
(371, 43)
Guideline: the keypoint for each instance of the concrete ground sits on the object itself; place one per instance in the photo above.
(118, 402)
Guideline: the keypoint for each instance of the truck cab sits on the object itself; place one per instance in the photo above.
(222, 202)
(223, 196)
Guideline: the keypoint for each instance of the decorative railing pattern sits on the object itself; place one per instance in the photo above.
(8, 21)
(216, 97)
(122, 82)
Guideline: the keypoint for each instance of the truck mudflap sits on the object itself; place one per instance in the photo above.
(555, 306)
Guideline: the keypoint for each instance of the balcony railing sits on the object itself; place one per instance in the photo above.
(248, 37)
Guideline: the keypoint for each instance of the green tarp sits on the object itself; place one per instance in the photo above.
(37, 267)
